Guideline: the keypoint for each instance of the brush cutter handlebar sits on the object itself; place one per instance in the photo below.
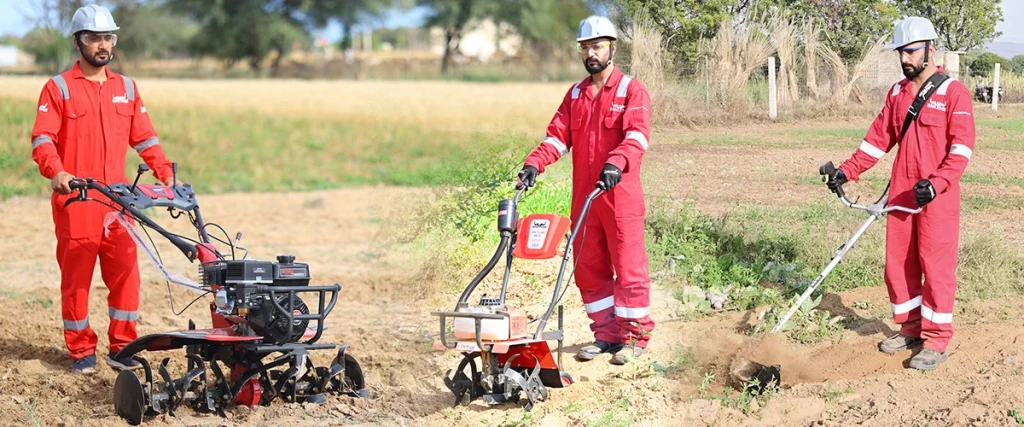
(878, 208)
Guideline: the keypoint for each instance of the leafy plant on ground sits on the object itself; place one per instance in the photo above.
(1017, 416)
(622, 412)
(741, 399)
(699, 256)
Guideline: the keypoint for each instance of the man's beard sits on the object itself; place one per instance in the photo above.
(594, 65)
(913, 72)
(95, 61)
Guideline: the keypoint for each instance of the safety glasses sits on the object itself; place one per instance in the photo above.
(596, 46)
(96, 38)
(909, 50)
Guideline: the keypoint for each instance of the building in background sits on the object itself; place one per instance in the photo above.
(10, 56)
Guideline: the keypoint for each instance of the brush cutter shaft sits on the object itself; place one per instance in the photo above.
(843, 250)
(876, 210)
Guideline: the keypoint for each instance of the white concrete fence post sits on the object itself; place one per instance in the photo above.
(773, 111)
(995, 90)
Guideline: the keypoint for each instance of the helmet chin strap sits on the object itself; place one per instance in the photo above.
(927, 45)
(604, 65)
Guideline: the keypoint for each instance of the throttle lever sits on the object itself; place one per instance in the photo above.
(826, 170)
(81, 185)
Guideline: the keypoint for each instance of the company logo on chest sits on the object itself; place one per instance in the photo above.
(618, 108)
(941, 106)
(123, 99)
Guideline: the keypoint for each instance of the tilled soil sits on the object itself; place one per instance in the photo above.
(383, 314)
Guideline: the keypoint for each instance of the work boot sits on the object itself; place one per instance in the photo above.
(627, 353)
(122, 364)
(897, 343)
(591, 351)
(85, 365)
(927, 360)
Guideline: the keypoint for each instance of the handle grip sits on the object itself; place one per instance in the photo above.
(826, 170)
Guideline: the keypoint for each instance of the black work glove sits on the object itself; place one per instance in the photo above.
(835, 180)
(528, 176)
(610, 176)
(924, 191)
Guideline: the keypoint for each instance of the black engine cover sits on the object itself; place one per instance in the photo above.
(249, 272)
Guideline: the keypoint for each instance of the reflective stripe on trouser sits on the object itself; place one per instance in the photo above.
(924, 244)
(613, 262)
(119, 268)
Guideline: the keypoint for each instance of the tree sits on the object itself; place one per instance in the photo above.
(349, 13)
(10, 40)
(453, 16)
(1018, 64)
(962, 25)
(249, 30)
(683, 23)
(150, 30)
(546, 26)
(49, 41)
(985, 64)
(849, 27)
(51, 49)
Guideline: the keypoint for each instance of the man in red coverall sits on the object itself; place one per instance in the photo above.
(931, 158)
(87, 118)
(605, 121)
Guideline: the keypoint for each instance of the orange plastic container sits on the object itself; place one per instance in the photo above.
(540, 236)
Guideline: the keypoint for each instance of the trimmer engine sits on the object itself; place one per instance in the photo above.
(512, 324)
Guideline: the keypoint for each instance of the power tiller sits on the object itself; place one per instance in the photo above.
(257, 312)
(503, 357)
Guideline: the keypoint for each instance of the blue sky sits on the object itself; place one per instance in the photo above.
(12, 20)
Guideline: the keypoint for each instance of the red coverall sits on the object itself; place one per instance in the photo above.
(611, 270)
(937, 147)
(85, 128)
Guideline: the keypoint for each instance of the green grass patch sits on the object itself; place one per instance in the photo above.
(980, 203)
(227, 151)
(1013, 125)
(991, 179)
(989, 268)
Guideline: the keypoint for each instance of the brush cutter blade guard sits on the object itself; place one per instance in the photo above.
(759, 378)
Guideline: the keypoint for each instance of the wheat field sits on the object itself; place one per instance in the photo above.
(444, 106)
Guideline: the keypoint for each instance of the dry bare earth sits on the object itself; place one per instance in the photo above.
(386, 322)
(384, 316)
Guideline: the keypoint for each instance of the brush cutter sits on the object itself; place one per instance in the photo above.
(747, 370)
(257, 312)
(512, 359)
(875, 210)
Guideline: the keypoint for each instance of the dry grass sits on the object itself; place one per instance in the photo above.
(737, 52)
(811, 34)
(784, 34)
(647, 61)
(1013, 87)
(844, 77)
(442, 106)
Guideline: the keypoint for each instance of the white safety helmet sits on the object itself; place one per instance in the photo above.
(94, 18)
(596, 27)
(911, 30)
